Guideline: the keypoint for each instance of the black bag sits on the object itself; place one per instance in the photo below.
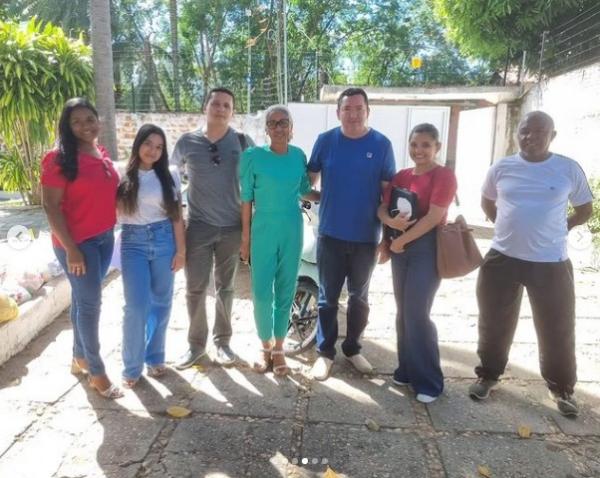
(401, 201)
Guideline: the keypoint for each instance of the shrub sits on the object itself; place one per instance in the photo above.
(40, 68)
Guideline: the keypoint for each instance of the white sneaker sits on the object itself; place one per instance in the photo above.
(421, 397)
(321, 368)
(360, 363)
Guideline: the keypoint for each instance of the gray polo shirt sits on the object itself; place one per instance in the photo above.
(214, 187)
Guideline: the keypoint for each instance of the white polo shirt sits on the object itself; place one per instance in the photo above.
(531, 199)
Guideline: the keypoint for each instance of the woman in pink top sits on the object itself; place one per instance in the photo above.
(79, 186)
(414, 270)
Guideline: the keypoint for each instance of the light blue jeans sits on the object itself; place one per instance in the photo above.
(86, 297)
(147, 253)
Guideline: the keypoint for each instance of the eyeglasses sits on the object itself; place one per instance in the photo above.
(215, 158)
(282, 123)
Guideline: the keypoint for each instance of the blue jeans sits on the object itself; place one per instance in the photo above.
(86, 297)
(147, 253)
(339, 261)
(416, 281)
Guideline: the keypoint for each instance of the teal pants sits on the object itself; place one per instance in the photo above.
(276, 246)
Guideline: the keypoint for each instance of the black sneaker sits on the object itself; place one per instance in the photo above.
(225, 355)
(480, 390)
(189, 358)
(566, 404)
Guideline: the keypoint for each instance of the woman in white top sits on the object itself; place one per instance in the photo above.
(152, 250)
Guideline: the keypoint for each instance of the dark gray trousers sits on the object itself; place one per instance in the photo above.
(551, 293)
(207, 247)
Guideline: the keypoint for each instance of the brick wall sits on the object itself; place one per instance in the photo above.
(573, 100)
(176, 124)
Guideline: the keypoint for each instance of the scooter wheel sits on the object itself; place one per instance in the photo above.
(302, 330)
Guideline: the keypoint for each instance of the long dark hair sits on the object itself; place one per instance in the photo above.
(127, 194)
(67, 142)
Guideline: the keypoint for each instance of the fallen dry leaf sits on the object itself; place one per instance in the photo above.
(372, 425)
(329, 473)
(484, 471)
(178, 412)
(524, 431)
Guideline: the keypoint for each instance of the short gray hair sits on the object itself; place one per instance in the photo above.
(278, 109)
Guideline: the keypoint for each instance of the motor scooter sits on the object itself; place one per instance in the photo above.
(302, 331)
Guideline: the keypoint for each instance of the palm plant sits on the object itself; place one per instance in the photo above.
(40, 68)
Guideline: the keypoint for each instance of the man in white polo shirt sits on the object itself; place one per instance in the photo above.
(526, 195)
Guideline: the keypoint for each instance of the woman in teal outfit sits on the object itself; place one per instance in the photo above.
(273, 178)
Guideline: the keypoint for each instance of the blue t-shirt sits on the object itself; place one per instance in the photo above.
(351, 174)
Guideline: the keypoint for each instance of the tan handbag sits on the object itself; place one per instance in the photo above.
(457, 252)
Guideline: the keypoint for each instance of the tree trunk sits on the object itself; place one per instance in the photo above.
(103, 73)
(174, 51)
(160, 102)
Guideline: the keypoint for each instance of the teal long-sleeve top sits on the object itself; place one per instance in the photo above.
(275, 182)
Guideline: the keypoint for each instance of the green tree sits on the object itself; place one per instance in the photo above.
(71, 15)
(499, 30)
(40, 68)
(390, 32)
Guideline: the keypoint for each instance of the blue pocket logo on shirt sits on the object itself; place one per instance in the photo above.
(369, 155)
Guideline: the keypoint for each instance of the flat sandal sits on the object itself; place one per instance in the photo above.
(265, 362)
(282, 369)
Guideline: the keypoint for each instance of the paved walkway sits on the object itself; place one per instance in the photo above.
(248, 425)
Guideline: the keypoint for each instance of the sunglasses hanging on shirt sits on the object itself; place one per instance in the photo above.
(215, 158)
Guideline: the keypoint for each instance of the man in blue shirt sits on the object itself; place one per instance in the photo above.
(355, 164)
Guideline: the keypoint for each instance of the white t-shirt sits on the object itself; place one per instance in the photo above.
(532, 199)
(150, 199)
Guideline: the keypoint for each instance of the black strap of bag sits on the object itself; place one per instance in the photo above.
(243, 141)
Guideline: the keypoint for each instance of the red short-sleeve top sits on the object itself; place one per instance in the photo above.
(437, 186)
(88, 202)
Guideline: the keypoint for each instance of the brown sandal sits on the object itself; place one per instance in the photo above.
(77, 368)
(263, 364)
(282, 369)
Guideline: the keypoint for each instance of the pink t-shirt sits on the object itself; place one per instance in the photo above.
(89, 202)
(437, 186)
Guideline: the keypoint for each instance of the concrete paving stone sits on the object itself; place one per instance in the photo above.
(35, 381)
(358, 453)
(233, 391)
(116, 444)
(459, 359)
(150, 396)
(505, 457)
(192, 466)
(588, 398)
(200, 446)
(37, 453)
(15, 418)
(353, 400)
(508, 407)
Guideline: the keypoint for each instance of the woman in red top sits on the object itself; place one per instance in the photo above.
(79, 186)
(414, 268)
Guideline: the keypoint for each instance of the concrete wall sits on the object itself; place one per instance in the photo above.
(573, 100)
(309, 121)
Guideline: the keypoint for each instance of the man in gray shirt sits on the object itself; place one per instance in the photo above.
(210, 157)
